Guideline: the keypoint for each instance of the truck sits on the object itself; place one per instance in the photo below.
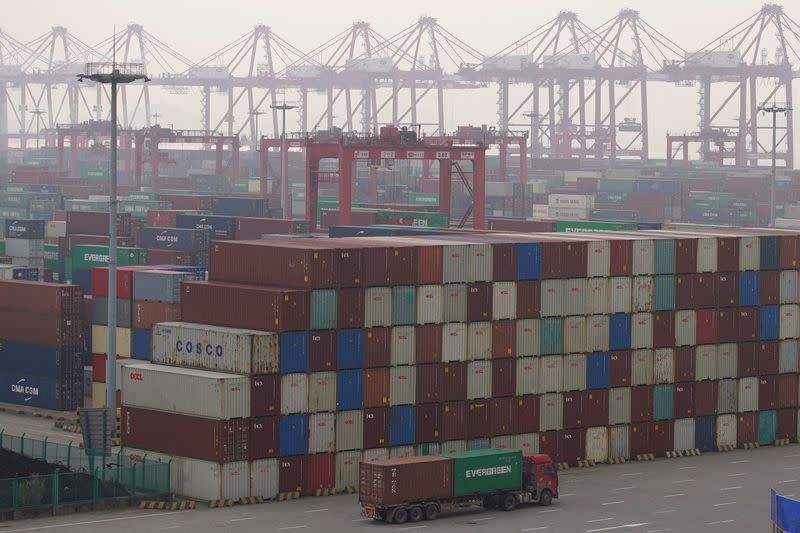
(410, 489)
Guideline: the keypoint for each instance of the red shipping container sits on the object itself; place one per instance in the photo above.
(619, 368)
(428, 340)
(504, 338)
(574, 257)
(164, 218)
(747, 324)
(706, 332)
(429, 385)
(747, 359)
(170, 257)
(705, 398)
(683, 291)
(501, 417)
(789, 252)
(663, 329)
(685, 363)
(727, 254)
(574, 410)
(552, 261)
(479, 302)
(504, 377)
(99, 367)
(245, 306)
(124, 280)
(528, 298)
(478, 419)
(662, 438)
(641, 439)
(727, 284)
(526, 414)
(621, 257)
(454, 381)
(684, 400)
(746, 429)
(551, 443)
(428, 421)
(376, 347)
(38, 328)
(376, 427)
(291, 474)
(429, 265)
(787, 424)
(265, 395)
(769, 282)
(376, 387)
(350, 308)
(695, 291)
(96, 223)
(685, 256)
(767, 393)
(596, 410)
(787, 390)
(146, 314)
(727, 328)
(767, 357)
(504, 259)
(253, 228)
(263, 437)
(641, 403)
(322, 351)
(573, 447)
(453, 420)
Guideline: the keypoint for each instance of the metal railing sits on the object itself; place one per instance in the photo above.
(91, 477)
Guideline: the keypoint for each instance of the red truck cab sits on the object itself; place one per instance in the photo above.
(540, 477)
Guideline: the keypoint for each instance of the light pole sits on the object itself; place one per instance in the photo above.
(38, 112)
(285, 194)
(774, 109)
(257, 137)
(115, 74)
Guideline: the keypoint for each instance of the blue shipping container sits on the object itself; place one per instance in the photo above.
(240, 207)
(610, 197)
(141, 344)
(769, 253)
(83, 278)
(748, 288)
(183, 240)
(16, 228)
(349, 390)
(39, 360)
(221, 227)
(620, 332)
(294, 352)
(402, 425)
(768, 325)
(597, 370)
(614, 215)
(25, 273)
(668, 186)
(25, 389)
(529, 261)
(349, 348)
(705, 437)
(293, 435)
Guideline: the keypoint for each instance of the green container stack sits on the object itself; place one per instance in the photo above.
(663, 402)
(486, 471)
(552, 340)
(588, 226)
(665, 256)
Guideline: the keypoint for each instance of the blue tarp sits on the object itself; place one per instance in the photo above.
(785, 513)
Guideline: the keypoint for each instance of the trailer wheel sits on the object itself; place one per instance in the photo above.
(508, 502)
(431, 511)
(545, 498)
(400, 515)
(415, 514)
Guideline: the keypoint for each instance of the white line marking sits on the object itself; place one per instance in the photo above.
(600, 520)
(363, 520)
(632, 474)
(792, 468)
(792, 455)
(665, 511)
(410, 528)
(548, 511)
(658, 530)
(562, 495)
(724, 504)
(291, 527)
(687, 468)
(737, 487)
(623, 526)
(674, 495)
(629, 487)
(243, 519)
(736, 475)
(740, 461)
(613, 503)
(315, 510)
(168, 528)
(788, 481)
(684, 481)
(72, 524)
(718, 522)
(534, 529)
(483, 519)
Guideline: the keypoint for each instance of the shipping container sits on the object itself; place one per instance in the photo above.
(402, 425)
(574, 334)
(550, 412)
(402, 385)
(551, 335)
(350, 348)
(619, 366)
(378, 306)
(347, 464)
(294, 393)
(726, 430)
(788, 356)
(455, 302)
(377, 347)
(746, 429)
(528, 337)
(349, 390)
(395, 481)
(619, 442)
(748, 394)
(403, 345)
(479, 340)
(376, 428)
(454, 342)
(597, 296)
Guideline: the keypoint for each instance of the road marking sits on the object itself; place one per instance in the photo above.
(614, 503)
(410, 528)
(105, 520)
(792, 455)
(629, 487)
(740, 461)
(674, 495)
(687, 468)
(736, 475)
(792, 468)
(632, 474)
(724, 504)
(482, 519)
(665, 511)
(658, 530)
(737, 487)
(243, 519)
(168, 528)
(600, 520)
(548, 511)
(623, 526)
(291, 527)
(315, 510)
(718, 522)
(684, 481)
(562, 495)
(534, 529)
(788, 481)
(363, 520)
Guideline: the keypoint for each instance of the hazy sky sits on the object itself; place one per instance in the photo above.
(199, 27)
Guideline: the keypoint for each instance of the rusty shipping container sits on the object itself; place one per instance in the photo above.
(146, 314)
(395, 481)
(376, 427)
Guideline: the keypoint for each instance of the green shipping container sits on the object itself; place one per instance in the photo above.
(404, 306)
(10, 199)
(13, 187)
(588, 226)
(767, 427)
(665, 256)
(663, 402)
(486, 471)
(430, 220)
(552, 340)
(423, 198)
(429, 448)
(615, 185)
(664, 292)
(86, 257)
(136, 195)
(3, 248)
(13, 212)
(323, 309)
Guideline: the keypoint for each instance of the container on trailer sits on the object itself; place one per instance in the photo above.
(507, 463)
(396, 481)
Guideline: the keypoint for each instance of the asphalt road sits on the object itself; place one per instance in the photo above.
(716, 492)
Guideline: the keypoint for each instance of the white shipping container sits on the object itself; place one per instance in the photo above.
(726, 430)
(619, 406)
(347, 471)
(402, 385)
(707, 254)
(242, 351)
(574, 334)
(55, 229)
(528, 337)
(790, 321)
(552, 298)
(568, 213)
(503, 442)
(597, 299)
(479, 342)
(789, 293)
(642, 294)
(574, 291)
(642, 367)
(480, 262)
(186, 391)
(598, 259)
(551, 374)
(264, 478)
(642, 330)
(453, 446)
(644, 255)
(683, 434)
(787, 357)
(749, 254)
(527, 376)
(349, 430)
(377, 306)
(403, 345)
(322, 433)
(597, 328)
(574, 372)
(322, 392)
(455, 263)
(455, 302)
(454, 342)
(577, 201)
(401, 451)
(124, 346)
(619, 292)
(551, 409)
(479, 380)
(664, 365)
(685, 328)
(705, 363)
(376, 454)
(504, 300)
(430, 304)
(619, 442)
(597, 444)
(526, 442)
(294, 394)
(540, 211)
(748, 395)
(727, 361)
